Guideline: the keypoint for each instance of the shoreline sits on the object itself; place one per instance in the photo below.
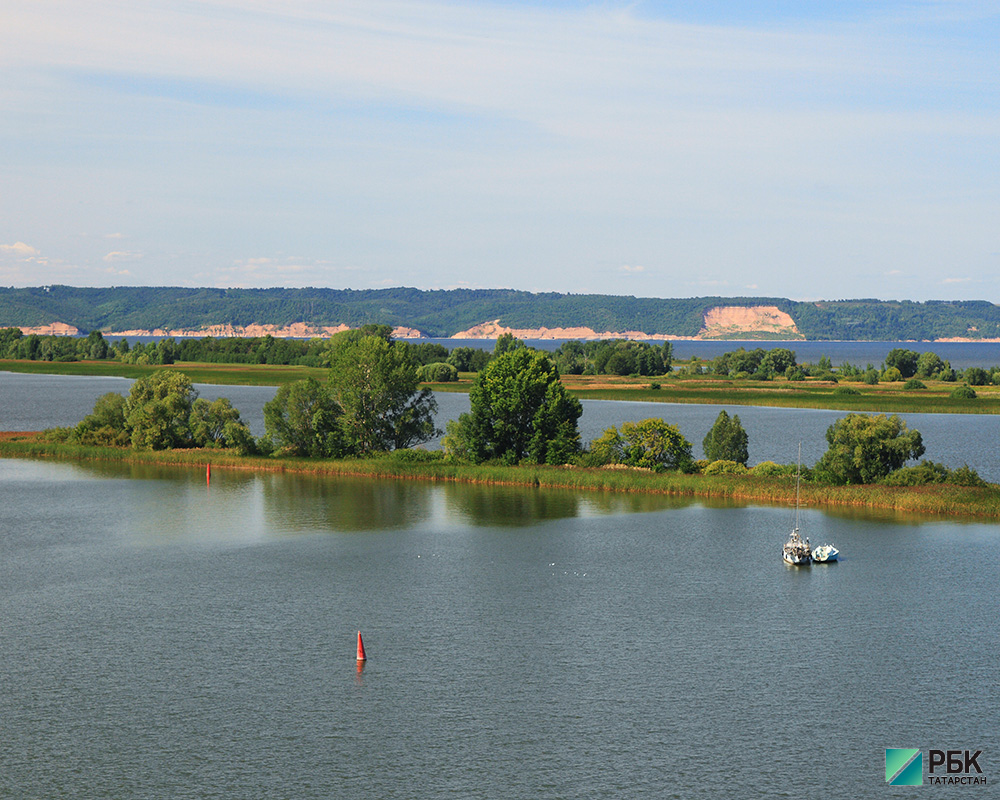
(937, 501)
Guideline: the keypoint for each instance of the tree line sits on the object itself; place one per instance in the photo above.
(520, 413)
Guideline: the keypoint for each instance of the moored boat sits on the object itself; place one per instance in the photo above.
(825, 554)
(796, 550)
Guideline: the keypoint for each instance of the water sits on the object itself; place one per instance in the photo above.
(36, 402)
(164, 638)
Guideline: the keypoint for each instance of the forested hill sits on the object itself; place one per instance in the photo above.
(443, 313)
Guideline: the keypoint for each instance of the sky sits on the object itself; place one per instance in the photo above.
(813, 150)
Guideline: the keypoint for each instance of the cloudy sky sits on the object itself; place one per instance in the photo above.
(826, 149)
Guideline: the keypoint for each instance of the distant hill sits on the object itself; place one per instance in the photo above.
(484, 312)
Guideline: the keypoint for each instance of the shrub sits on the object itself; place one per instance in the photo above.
(725, 467)
(914, 383)
(965, 476)
(964, 392)
(770, 469)
(437, 372)
(654, 386)
(845, 390)
(892, 375)
(922, 474)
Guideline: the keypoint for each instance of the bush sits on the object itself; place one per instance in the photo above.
(964, 392)
(914, 383)
(437, 372)
(845, 390)
(770, 469)
(927, 472)
(892, 375)
(654, 386)
(965, 476)
(725, 467)
(924, 473)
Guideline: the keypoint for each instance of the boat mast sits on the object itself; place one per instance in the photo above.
(798, 475)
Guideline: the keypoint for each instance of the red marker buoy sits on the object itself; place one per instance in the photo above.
(361, 649)
(208, 474)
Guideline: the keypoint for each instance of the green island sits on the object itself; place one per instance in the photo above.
(365, 412)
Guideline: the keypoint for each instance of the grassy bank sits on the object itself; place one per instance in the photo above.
(885, 397)
(933, 500)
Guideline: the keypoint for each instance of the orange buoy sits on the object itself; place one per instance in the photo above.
(361, 649)
(208, 474)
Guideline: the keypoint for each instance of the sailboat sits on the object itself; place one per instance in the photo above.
(796, 550)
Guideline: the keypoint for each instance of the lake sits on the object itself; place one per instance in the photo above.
(166, 637)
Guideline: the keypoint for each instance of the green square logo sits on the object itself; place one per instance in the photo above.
(904, 766)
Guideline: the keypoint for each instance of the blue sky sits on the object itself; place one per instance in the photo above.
(661, 149)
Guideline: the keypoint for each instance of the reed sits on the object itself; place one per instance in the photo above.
(932, 500)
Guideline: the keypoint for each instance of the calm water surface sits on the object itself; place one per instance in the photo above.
(165, 638)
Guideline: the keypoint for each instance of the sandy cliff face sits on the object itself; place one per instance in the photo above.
(728, 322)
(491, 330)
(52, 329)
(298, 330)
(721, 322)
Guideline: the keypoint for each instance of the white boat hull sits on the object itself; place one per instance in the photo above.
(825, 554)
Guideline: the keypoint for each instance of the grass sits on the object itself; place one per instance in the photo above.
(933, 500)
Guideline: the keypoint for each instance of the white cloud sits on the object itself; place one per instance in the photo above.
(631, 269)
(19, 250)
(122, 255)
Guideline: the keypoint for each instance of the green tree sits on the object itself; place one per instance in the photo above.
(218, 423)
(519, 412)
(929, 365)
(303, 420)
(158, 411)
(96, 347)
(865, 448)
(726, 440)
(468, 359)
(651, 444)
(505, 343)
(105, 425)
(903, 360)
(374, 382)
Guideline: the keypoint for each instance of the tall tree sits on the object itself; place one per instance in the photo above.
(519, 412)
(158, 411)
(374, 382)
(302, 419)
(865, 448)
(726, 440)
